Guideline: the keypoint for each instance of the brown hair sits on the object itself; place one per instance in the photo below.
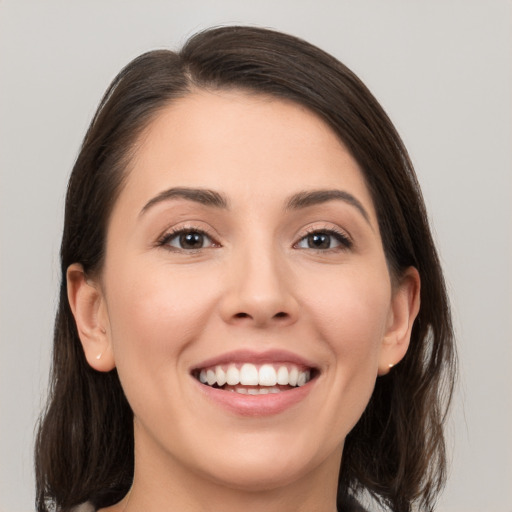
(396, 452)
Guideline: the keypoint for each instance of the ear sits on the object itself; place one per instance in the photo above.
(405, 304)
(91, 316)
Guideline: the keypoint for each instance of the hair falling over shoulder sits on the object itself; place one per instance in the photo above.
(396, 452)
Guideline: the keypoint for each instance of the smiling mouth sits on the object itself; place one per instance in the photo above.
(252, 379)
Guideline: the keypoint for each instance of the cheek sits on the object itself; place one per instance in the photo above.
(351, 316)
(154, 314)
(352, 309)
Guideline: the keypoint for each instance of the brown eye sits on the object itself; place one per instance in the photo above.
(319, 241)
(324, 240)
(189, 240)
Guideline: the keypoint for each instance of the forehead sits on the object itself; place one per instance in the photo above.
(241, 142)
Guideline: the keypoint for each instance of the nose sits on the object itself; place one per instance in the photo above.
(259, 291)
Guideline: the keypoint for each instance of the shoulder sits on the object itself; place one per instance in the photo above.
(84, 507)
(350, 504)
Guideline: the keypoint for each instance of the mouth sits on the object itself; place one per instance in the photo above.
(255, 379)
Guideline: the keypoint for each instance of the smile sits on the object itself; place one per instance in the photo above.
(254, 379)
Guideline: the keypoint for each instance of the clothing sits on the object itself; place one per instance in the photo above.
(84, 507)
(349, 504)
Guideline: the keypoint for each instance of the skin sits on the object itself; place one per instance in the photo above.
(157, 310)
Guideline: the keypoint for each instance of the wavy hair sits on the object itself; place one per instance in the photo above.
(396, 452)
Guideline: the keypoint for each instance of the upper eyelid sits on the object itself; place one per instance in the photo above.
(171, 232)
(189, 225)
(326, 228)
(343, 237)
(208, 231)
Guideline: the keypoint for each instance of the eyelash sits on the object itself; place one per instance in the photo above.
(164, 241)
(341, 237)
(344, 241)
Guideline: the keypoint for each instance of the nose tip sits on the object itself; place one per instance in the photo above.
(260, 295)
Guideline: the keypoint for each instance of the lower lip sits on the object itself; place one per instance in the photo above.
(256, 405)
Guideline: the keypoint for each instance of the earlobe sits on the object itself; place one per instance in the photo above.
(404, 309)
(89, 310)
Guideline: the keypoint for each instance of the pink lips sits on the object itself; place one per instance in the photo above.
(255, 405)
(249, 356)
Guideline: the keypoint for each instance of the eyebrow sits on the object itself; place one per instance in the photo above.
(298, 201)
(199, 195)
(316, 197)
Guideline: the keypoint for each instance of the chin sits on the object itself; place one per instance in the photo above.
(266, 462)
(260, 475)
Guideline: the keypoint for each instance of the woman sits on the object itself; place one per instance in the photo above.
(244, 255)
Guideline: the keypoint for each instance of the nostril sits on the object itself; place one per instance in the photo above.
(281, 314)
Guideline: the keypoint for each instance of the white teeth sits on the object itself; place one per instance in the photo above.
(249, 375)
(232, 375)
(267, 375)
(221, 376)
(211, 378)
(293, 376)
(282, 376)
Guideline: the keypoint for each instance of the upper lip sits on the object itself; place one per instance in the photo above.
(255, 357)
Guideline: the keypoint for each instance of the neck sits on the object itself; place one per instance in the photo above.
(169, 486)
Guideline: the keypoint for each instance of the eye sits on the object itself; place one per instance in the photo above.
(324, 240)
(187, 240)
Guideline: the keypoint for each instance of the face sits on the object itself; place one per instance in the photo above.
(244, 246)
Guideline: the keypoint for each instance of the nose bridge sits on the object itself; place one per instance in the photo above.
(261, 291)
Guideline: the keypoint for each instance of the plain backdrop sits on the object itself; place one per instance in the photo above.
(441, 69)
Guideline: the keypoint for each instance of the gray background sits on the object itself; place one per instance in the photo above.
(442, 70)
